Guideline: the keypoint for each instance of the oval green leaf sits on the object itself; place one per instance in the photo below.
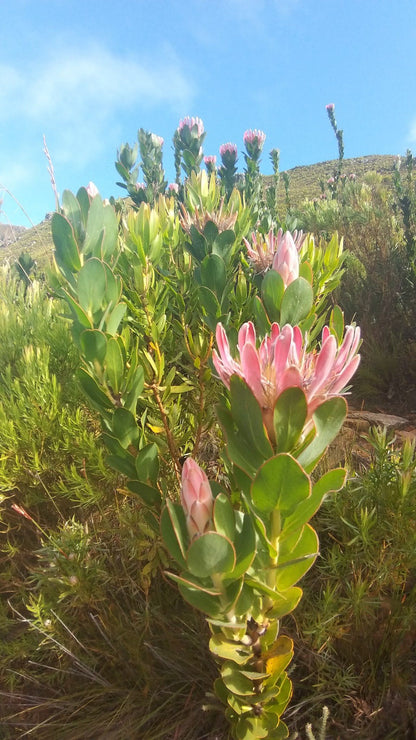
(211, 553)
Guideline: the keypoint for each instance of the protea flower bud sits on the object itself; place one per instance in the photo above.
(92, 189)
(286, 259)
(228, 154)
(196, 499)
(254, 142)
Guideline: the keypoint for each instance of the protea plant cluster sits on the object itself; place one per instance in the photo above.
(149, 292)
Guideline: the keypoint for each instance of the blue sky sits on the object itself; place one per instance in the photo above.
(87, 75)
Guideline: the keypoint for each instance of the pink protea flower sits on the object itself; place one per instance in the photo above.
(196, 499)
(254, 135)
(330, 107)
(228, 149)
(173, 187)
(282, 362)
(263, 249)
(92, 189)
(210, 159)
(190, 122)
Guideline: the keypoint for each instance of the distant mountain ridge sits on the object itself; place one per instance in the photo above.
(304, 183)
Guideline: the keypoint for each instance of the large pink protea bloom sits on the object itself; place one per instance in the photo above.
(280, 251)
(282, 362)
(196, 499)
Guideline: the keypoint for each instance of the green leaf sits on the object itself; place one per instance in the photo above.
(305, 271)
(78, 313)
(148, 494)
(206, 603)
(114, 318)
(289, 417)
(328, 419)
(244, 544)
(263, 588)
(66, 248)
(213, 274)
(210, 232)
(114, 287)
(235, 681)
(124, 427)
(224, 517)
(84, 202)
(226, 649)
(260, 317)
(297, 302)
(114, 364)
(99, 400)
(92, 283)
(336, 323)
(119, 459)
(286, 602)
(333, 480)
(237, 449)
(246, 413)
(293, 566)
(280, 483)
(223, 244)
(198, 247)
(73, 213)
(134, 388)
(93, 345)
(147, 463)
(174, 531)
(101, 230)
(209, 554)
(272, 290)
(251, 728)
(209, 302)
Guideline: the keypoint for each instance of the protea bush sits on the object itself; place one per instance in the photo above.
(147, 290)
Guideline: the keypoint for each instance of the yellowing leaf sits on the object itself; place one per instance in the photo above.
(155, 429)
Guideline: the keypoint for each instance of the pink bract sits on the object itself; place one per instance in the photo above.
(281, 362)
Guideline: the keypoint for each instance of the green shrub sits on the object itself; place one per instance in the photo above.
(356, 625)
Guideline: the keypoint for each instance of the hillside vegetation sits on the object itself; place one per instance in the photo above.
(304, 183)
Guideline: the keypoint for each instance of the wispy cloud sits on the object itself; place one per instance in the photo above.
(78, 93)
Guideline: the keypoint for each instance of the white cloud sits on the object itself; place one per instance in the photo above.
(78, 94)
(67, 83)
